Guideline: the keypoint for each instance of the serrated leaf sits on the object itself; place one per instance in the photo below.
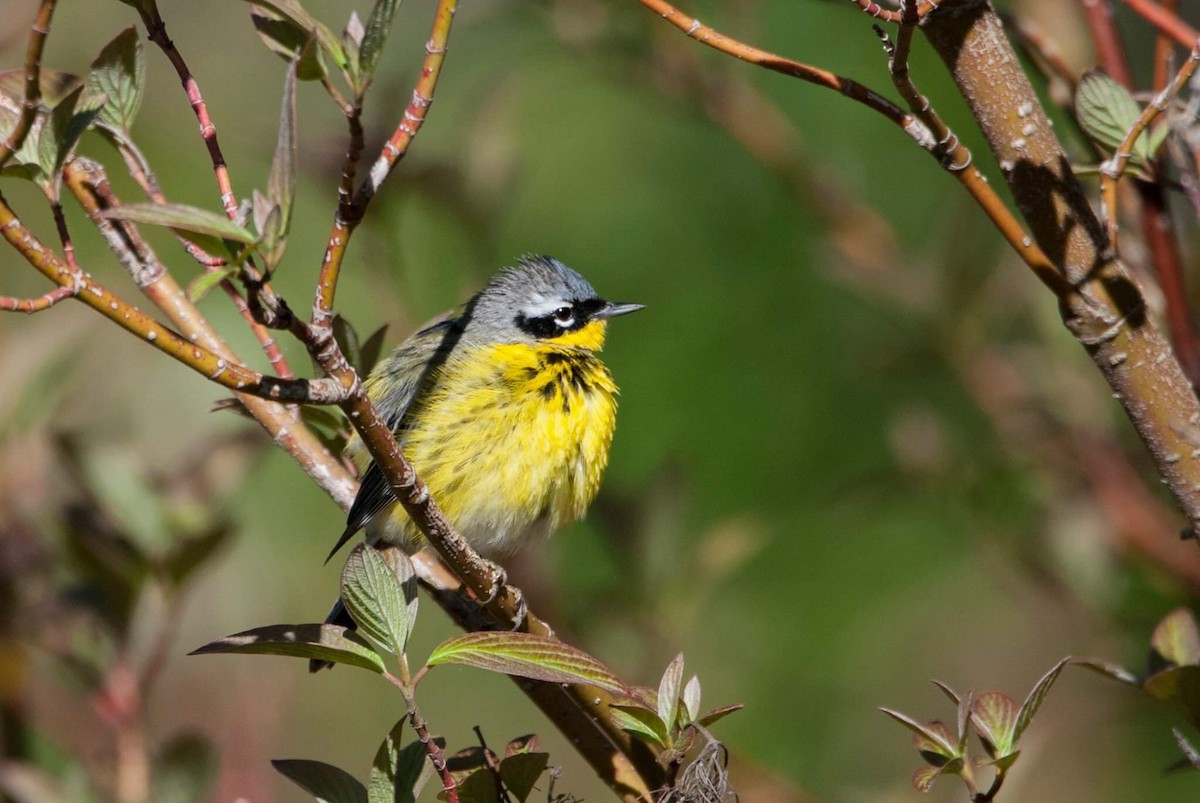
(373, 593)
(281, 182)
(1177, 639)
(290, 41)
(119, 74)
(379, 25)
(995, 715)
(691, 698)
(668, 692)
(640, 722)
(528, 656)
(1109, 670)
(936, 739)
(1106, 111)
(719, 713)
(292, 10)
(317, 642)
(521, 771)
(182, 218)
(203, 284)
(396, 772)
(325, 782)
(184, 770)
(1034, 700)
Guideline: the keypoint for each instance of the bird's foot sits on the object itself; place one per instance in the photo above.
(499, 581)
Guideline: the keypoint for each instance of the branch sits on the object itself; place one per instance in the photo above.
(42, 302)
(951, 154)
(1108, 314)
(224, 372)
(33, 81)
(87, 182)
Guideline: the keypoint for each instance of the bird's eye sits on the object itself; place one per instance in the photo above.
(564, 314)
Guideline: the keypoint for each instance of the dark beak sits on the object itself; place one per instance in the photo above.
(612, 310)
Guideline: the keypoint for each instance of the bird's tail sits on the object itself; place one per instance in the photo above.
(337, 616)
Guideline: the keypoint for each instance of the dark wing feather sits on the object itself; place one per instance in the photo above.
(394, 386)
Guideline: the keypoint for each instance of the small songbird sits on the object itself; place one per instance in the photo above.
(505, 411)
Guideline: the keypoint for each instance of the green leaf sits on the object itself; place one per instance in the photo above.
(1179, 685)
(521, 771)
(526, 655)
(995, 715)
(934, 735)
(119, 74)
(320, 642)
(1177, 639)
(203, 284)
(379, 591)
(1106, 111)
(925, 776)
(640, 722)
(291, 41)
(181, 218)
(325, 782)
(691, 698)
(396, 774)
(281, 183)
(184, 770)
(54, 84)
(293, 11)
(669, 689)
(1034, 701)
(379, 25)
(67, 122)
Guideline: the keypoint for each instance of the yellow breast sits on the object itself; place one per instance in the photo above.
(512, 441)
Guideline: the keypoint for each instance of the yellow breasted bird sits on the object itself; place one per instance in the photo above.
(506, 412)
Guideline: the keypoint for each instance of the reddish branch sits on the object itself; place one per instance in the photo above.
(42, 302)
(1166, 20)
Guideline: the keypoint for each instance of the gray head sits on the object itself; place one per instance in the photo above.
(540, 299)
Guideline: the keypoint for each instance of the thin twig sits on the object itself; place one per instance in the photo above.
(33, 81)
(1112, 169)
(955, 160)
(42, 302)
(87, 182)
(220, 370)
(1107, 41)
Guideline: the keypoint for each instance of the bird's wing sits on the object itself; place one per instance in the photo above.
(393, 387)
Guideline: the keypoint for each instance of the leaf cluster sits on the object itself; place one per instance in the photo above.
(996, 719)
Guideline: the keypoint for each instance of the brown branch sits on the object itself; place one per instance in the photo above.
(224, 372)
(1108, 315)
(952, 156)
(87, 182)
(33, 81)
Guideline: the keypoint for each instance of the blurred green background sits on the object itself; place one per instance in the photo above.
(833, 477)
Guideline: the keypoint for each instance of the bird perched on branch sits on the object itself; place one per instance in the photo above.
(506, 412)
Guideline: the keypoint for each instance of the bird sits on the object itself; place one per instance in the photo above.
(505, 410)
